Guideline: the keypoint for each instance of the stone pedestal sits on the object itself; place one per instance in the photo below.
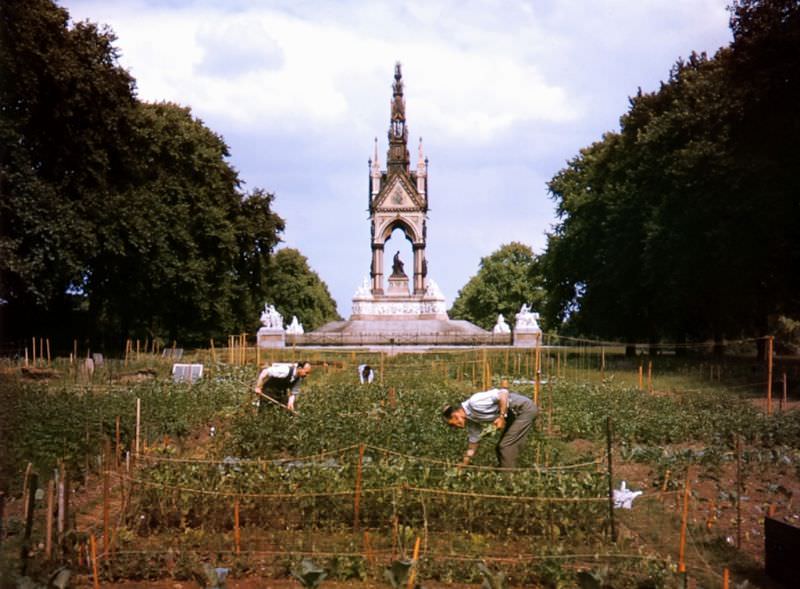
(271, 337)
(527, 338)
(398, 286)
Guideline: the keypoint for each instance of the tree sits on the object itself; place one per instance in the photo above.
(505, 280)
(182, 246)
(63, 104)
(122, 214)
(683, 224)
(295, 289)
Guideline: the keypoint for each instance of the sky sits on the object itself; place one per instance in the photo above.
(503, 94)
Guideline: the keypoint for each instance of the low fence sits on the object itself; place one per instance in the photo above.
(398, 339)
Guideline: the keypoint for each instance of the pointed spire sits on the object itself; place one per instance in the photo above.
(375, 162)
(397, 158)
(421, 158)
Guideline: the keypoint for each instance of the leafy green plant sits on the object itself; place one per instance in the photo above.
(309, 574)
(491, 580)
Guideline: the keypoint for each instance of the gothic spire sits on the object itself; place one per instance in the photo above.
(397, 158)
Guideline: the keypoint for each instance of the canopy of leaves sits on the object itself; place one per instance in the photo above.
(295, 289)
(120, 218)
(506, 280)
(684, 223)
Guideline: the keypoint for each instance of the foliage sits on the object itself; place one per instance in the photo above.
(295, 289)
(682, 224)
(44, 424)
(309, 574)
(507, 279)
(121, 218)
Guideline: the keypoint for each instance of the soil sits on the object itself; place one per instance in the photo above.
(768, 489)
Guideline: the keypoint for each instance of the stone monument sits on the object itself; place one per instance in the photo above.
(526, 329)
(271, 334)
(501, 326)
(411, 304)
(295, 327)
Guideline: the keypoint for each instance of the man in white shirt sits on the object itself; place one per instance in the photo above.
(511, 413)
(281, 382)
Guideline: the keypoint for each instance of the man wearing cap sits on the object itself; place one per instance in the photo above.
(509, 412)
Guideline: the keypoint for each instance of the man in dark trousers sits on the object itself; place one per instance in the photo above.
(281, 382)
(509, 412)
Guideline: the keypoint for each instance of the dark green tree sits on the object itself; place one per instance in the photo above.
(63, 105)
(506, 279)
(295, 289)
(123, 216)
(683, 224)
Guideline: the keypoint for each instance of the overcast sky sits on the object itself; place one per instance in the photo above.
(502, 92)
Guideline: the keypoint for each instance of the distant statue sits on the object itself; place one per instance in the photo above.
(526, 319)
(397, 265)
(501, 326)
(365, 290)
(295, 327)
(270, 318)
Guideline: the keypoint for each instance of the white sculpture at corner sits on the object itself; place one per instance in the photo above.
(501, 326)
(270, 318)
(526, 319)
(295, 327)
(432, 290)
(364, 291)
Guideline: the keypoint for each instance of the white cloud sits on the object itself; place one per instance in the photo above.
(503, 91)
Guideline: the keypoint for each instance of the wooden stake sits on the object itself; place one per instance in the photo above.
(357, 498)
(75, 349)
(30, 504)
(48, 351)
(48, 534)
(414, 559)
(118, 448)
(106, 522)
(739, 491)
(785, 390)
(726, 578)
(26, 489)
(138, 422)
(33, 340)
(684, 521)
(236, 532)
(649, 376)
(641, 377)
(62, 502)
(602, 363)
(26, 356)
(213, 352)
(93, 544)
(769, 374)
(537, 377)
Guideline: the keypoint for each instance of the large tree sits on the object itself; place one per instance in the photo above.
(683, 224)
(506, 279)
(122, 214)
(295, 289)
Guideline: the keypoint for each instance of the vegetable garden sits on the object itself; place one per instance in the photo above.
(367, 475)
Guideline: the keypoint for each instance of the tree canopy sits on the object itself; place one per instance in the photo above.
(506, 279)
(118, 218)
(296, 289)
(684, 223)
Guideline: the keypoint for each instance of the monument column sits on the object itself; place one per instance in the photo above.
(377, 268)
(419, 278)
